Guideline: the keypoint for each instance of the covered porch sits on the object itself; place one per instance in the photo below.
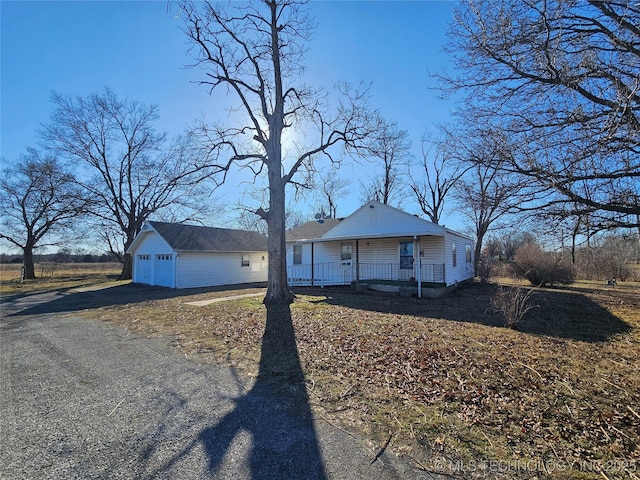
(338, 273)
(403, 260)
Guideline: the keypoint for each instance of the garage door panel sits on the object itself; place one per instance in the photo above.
(143, 268)
(164, 267)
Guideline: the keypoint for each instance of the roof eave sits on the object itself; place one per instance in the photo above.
(370, 237)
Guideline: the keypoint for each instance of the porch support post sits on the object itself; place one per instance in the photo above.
(419, 272)
(312, 273)
(357, 260)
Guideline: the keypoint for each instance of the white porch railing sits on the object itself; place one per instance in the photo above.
(343, 273)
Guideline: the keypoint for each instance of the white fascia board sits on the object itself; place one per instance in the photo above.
(370, 237)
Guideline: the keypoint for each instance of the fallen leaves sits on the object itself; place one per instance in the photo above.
(442, 377)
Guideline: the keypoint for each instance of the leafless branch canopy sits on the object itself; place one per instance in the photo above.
(562, 79)
(128, 169)
(39, 200)
(255, 52)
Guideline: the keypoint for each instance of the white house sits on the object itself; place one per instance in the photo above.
(186, 256)
(378, 242)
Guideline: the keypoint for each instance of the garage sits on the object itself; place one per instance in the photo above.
(177, 255)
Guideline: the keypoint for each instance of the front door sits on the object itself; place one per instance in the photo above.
(406, 261)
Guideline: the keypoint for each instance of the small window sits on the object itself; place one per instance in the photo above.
(245, 260)
(454, 254)
(164, 256)
(346, 251)
(468, 253)
(297, 254)
(144, 257)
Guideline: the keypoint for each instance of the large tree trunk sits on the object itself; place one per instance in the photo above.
(480, 233)
(127, 267)
(127, 260)
(27, 263)
(278, 292)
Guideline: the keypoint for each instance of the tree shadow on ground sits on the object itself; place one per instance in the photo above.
(275, 414)
(559, 313)
(74, 299)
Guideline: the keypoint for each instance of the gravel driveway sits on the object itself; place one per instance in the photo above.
(84, 399)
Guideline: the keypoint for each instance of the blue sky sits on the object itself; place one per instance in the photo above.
(138, 50)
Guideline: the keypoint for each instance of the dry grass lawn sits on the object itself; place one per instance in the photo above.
(52, 276)
(456, 391)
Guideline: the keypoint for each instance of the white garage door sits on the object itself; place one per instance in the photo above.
(164, 270)
(143, 269)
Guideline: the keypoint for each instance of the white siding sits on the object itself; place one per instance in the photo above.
(382, 220)
(220, 268)
(152, 243)
(306, 254)
(463, 269)
(384, 250)
(432, 249)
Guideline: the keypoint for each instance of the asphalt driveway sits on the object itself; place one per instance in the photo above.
(84, 399)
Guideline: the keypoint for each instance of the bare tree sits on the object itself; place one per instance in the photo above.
(486, 194)
(390, 148)
(440, 176)
(561, 79)
(330, 188)
(248, 219)
(255, 51)
(131, 170)
(38, 200)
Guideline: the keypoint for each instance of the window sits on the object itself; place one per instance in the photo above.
(454, 254)
(245, 260)
(144, 257)
(164, 256)
(468, 253)
(297, 254)
(406, 255)
(346, 251)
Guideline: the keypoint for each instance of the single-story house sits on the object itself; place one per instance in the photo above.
(187, 256)
(378, 242)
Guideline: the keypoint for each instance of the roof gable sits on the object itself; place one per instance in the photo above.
(195, 238)
(375, 219)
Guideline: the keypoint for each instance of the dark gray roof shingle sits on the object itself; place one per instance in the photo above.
(310, 230)
(194, 238)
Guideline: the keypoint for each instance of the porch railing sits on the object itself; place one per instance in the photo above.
(343, 273)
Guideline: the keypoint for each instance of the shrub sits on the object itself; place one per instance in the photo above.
(485, 268)
(542, 268)
(513, 303)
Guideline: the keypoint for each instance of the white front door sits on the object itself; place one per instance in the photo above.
(406, 270)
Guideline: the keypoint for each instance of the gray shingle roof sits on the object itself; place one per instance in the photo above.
(194, 238)
(310, 230)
